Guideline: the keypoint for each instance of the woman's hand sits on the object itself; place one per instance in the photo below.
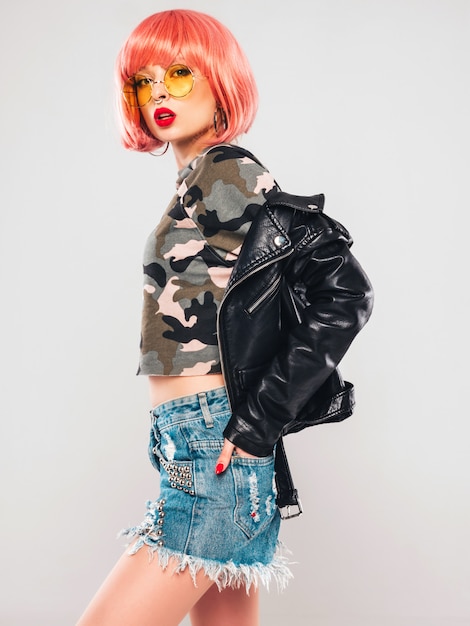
(225, 457)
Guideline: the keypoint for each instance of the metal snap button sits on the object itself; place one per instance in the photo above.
(279, 240)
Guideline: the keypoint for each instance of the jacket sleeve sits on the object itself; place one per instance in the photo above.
(336, 301)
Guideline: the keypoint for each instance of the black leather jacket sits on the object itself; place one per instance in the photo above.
(296, 299)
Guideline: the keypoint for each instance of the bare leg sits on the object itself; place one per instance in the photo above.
(230, 607)
(139, 591)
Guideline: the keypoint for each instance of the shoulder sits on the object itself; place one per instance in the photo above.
(225, 166)
(228, 152)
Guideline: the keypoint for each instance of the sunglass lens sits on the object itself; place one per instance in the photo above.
(137, 90)
(179, 80)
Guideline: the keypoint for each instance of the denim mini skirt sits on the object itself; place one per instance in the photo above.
(226, 525)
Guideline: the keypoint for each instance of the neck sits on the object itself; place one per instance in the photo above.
(186, 151)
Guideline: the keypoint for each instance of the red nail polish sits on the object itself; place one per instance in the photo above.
(219, 468)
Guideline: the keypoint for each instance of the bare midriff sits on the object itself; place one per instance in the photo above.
(165, 388)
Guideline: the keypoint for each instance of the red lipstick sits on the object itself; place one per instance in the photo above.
(164, 117)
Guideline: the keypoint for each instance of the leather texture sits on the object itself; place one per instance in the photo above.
(296, 299)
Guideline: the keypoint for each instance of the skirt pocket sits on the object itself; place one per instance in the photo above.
(255, 492)
(177, 473)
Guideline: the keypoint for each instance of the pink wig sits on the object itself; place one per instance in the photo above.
(204, 43)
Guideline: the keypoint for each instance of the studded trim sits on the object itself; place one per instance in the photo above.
(180, 475)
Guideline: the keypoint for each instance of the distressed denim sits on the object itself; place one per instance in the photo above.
(225, 524)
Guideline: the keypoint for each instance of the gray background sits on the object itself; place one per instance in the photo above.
(366, 101)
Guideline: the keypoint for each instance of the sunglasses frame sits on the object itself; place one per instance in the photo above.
(131, 82)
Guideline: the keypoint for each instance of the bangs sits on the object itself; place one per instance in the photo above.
(164, 37)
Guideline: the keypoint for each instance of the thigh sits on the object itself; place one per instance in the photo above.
(230, 607)
(139, 591)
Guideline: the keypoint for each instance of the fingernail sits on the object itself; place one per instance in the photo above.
(219, 468)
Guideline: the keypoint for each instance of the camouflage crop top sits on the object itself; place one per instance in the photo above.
(189, 257)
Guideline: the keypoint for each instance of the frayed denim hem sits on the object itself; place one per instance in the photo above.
(224, 574)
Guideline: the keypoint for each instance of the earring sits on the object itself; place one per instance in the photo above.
(220, 113)
(157, 154)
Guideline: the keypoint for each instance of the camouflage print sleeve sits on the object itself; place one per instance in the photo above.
(222, 195)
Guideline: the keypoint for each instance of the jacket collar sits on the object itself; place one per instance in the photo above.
(268, 238)
(307, 204)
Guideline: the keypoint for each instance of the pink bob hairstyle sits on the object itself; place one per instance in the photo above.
(206, 45)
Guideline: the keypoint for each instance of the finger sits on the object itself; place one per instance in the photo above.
(224, 459)
(244, 454)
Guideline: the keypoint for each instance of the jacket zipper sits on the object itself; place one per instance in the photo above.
(259, 268)
(264, 296)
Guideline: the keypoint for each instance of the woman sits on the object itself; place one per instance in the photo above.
(217, 375)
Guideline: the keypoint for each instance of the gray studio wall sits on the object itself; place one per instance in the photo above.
(366, 101)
